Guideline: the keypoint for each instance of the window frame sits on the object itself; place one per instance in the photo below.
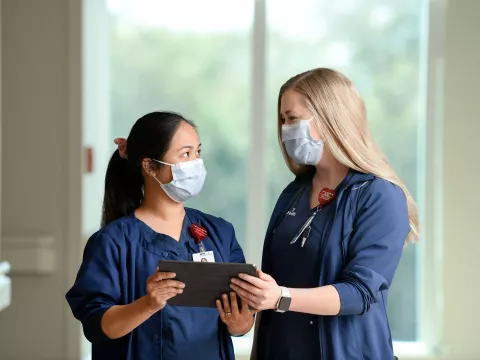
(430, 172)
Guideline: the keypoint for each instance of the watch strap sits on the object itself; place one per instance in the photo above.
(285, 293)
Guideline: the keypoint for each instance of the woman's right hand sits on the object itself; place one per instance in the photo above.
(119, 320)
(161, 288)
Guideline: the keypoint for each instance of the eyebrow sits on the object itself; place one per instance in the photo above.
(188, 147)
(287, 112)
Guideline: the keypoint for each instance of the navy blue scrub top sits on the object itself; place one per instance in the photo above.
(117, 262)
(294, 336)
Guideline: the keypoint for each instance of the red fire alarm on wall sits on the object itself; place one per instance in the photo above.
(88, 160)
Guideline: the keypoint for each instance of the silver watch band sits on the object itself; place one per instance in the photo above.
(285, 293)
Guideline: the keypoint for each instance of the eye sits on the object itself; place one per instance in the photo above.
(199, 152)
(186, 154)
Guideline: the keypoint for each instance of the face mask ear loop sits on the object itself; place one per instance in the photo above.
(155, 177)
(163, 163)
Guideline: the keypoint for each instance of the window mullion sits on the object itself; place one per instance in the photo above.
(256, 185)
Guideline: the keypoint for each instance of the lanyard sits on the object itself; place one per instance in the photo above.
(324, 197)
(306, 228)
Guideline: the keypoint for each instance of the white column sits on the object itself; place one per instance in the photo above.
(256, 187)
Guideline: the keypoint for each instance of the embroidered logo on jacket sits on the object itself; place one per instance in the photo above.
(292, 212)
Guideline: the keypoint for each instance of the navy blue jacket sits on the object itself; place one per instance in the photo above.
(116, 264)
(360, 255)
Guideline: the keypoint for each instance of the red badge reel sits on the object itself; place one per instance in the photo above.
(199, 233)
(326, 196)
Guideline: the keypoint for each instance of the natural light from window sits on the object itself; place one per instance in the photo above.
(195, 57)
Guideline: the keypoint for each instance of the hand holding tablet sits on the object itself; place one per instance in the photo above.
(204, 282)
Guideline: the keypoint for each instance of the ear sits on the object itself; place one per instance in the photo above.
(148, 167)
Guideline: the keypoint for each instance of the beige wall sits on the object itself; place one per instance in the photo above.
(5, 284)
(461, 179)
(38, 99)
(34, 161)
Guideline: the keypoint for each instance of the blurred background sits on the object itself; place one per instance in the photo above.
(76, 74)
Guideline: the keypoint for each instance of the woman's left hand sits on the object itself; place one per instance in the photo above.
(261, 293)
(238, 321)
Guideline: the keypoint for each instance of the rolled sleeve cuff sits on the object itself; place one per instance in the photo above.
(92, 328)
(351, 300)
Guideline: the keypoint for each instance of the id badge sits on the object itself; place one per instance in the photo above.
(206, 256)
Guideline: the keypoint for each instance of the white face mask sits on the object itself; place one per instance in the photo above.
(188, 180)
(299, 144)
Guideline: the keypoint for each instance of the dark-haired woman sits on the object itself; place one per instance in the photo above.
(120, 296)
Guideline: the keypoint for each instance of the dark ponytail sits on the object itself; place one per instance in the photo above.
(123, 189)
(149, 138)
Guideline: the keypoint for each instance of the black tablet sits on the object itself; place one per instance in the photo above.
(204, 282)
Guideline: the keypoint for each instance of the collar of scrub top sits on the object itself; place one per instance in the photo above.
(305, 184)
(186, 238)
(189, 240)
(153, 238)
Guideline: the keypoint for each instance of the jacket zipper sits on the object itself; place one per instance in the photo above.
(324, 246)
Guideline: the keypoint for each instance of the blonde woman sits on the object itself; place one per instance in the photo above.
(336, 235)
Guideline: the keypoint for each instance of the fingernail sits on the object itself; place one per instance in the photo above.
(234, 281)
(232, 294)
(241, 276)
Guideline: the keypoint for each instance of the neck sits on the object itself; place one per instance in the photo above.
(329, 176)
(157, 204)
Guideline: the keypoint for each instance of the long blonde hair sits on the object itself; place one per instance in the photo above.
(340, 114)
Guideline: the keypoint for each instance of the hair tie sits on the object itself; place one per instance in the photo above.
(122, 147)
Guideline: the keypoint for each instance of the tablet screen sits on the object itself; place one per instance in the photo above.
(204, 282)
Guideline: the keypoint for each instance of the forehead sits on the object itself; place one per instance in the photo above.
(292, 101)
(185, 135)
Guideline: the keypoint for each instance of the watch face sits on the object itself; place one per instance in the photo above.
(284, 303)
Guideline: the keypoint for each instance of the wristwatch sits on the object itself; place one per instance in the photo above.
(284, 301)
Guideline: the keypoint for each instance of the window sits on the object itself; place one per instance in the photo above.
(199, 62)
(195, 63)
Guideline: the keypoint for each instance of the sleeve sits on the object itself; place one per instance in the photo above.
(376, 246)
(236, 252)
(97, 286)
